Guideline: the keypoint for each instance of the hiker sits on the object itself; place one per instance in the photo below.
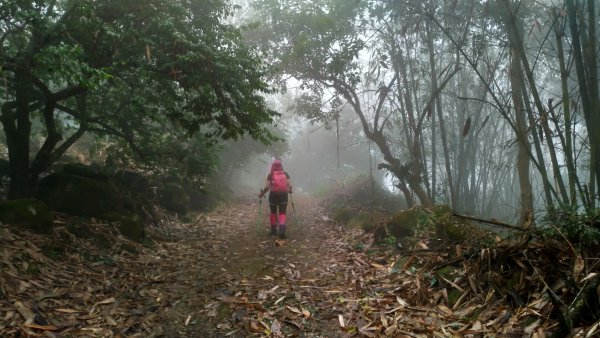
(279, 185)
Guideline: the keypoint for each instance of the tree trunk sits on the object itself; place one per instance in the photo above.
(17, 128)
(517, 43)
(589, 95)
(568, 138)
(416, 169)
(553, 158)
(437, 108)
(410, 202)
(540, 156)
(592, 70)
(526, 190)
(516, 80)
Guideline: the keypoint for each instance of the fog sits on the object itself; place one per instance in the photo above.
(314, 159)
(432, 102)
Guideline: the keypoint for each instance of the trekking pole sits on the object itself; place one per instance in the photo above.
(294, 210)
(259, 214)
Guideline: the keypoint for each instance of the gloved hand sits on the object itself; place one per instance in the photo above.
(262, 193)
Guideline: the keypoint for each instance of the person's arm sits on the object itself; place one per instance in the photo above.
(289, 182)
(264, 190)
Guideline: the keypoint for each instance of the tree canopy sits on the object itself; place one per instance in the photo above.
(145, 72)
(472, 82)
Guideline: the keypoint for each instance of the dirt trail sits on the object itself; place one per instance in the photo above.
(220, 276)
(229, 278)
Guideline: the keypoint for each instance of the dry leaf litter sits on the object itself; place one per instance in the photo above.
(221, 275)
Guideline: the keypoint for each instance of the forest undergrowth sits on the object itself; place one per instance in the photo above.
(221, 275)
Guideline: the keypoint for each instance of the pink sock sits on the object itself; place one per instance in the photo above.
(273, 219)
(281, 218)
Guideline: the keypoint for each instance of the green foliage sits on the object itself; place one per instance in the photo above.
(407, 223)
(390, 240)
(147, 73)
(581, 229)
(313, 41)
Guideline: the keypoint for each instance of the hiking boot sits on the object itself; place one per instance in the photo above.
(282, 231)
(274, 230)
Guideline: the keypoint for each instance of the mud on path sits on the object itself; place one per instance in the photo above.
(229, 277)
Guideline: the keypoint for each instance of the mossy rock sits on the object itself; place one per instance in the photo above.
(93, 172)
(441, 210)
(454, 228)
(30, 213)
(367, 220)
(132, 227)
(404, 223)
(79, 195)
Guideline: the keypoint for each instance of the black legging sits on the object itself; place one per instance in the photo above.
(278, 199)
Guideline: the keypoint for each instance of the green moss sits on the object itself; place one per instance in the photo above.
(441, 210)
(30, 213)
(454, 228)
(453, 296)
(132, 227)
(405, 223)
(78, 195)
(446, 272)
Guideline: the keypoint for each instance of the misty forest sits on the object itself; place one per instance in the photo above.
(299, 168)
